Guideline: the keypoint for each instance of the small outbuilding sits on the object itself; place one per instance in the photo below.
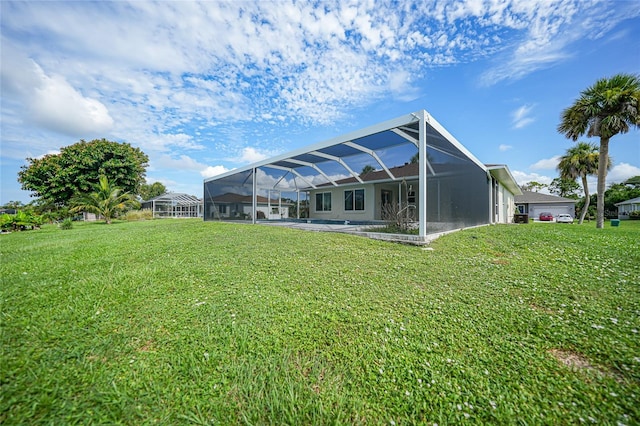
(409, 167)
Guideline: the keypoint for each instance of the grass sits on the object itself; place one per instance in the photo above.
(185, 322)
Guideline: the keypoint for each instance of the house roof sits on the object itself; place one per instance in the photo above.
(531, 197)
(631, 201)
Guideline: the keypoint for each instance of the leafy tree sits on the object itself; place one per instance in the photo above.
(580, 161)
(56, 178)
(567, 188)
(366, 170)
(609, 107)
(107, 200)
(633, 181)
(533, 186)
(148, 192)
(12, 205)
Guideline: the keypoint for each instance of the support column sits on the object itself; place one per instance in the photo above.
(422, 182)
(254, 201)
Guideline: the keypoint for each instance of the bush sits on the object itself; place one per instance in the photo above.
(67, 223)
(144, 214)
(21, 221)
(634, 215)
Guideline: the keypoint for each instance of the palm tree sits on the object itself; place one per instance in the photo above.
(605, 109)
(580, 161)
(106, 201)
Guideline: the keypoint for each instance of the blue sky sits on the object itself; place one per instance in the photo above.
(203, 88)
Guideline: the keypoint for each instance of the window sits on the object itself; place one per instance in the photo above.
(354, 199)
(222, 208)
(323, 202)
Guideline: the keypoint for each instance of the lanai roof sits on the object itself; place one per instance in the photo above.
(387, 147)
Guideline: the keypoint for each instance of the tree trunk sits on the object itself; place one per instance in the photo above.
(587, 199)
(603, 161)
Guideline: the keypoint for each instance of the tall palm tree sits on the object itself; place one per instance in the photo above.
(609, 107)
(106, 201)
(580, 161)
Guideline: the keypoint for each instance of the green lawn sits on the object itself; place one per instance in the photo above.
(185, 322)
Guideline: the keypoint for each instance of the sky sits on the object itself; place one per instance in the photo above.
(206, 87)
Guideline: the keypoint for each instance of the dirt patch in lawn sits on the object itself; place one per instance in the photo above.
(578, 362)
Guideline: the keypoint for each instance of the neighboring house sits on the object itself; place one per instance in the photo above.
(626, 207)
(533, 203)
(447, 187)
(236, 206)
(174, 204)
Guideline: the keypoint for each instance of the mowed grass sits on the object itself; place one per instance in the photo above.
(186, 322)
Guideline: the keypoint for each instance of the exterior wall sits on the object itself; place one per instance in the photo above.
(506, 205)
(337, 211)
(372, 200)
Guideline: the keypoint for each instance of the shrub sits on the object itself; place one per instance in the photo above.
(144, 214)
(634, 215)
(67, 223)
(21, 221)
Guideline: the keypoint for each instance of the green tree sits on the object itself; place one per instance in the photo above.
(567, 188)
(56, 178)
(366, 170)
(106, 201)
(148, 192)
(609, 107)
(580, 161)
(616, 193)
(533, 186)
(633, 181)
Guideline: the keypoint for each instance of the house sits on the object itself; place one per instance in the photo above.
(533, 203)
(626, 207)
(417, 169)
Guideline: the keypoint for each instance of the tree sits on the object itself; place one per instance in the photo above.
(366, 170)
(603, 110)
(148, 192)
(567, 188)
(106, 201)
(533, 186)
(580, 161)
(56, 178)
(633, 181)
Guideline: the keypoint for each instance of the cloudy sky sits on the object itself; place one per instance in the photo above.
(205, 87)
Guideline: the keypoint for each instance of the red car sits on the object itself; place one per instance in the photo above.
(546, 216)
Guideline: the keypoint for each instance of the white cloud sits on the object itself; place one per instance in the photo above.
(524, 177)
(621, 172)
(520, 117)
(252, 155)
(50, 101)
(56, 105)
(211, 171)
(546, 163)
(549, 29)
(504, 147)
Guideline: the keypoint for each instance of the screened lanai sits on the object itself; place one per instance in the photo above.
(173, 204)
(407, 166)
